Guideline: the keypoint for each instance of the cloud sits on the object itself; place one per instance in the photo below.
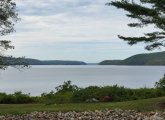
(68, 20)
(86, 51)
(50, 7)
(49, 23)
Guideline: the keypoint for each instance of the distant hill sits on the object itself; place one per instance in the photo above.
(19, 61)
(53, 62)
(157, 58)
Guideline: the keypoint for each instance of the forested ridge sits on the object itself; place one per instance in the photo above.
(157, 58)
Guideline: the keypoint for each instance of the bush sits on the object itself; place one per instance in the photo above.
(23, 98)
(64, 94)
(16, 98)
(161, 83)
(115, 93)
(66, 87)
(85, 94)
(59, 98)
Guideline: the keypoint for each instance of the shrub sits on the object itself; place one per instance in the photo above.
(161, 83)
(68, 93)
(66, 87)
(22, 98)
(85, 94)
(64, 94)
(16, 98)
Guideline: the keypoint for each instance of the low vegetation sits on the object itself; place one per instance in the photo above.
(69, 93)
(16, 98)
(69, 97)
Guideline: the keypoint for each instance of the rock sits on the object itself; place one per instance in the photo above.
(105, 99)
(106, 114)
(92, 100)
(156, 117)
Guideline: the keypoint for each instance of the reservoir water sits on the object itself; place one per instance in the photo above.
(39, 79)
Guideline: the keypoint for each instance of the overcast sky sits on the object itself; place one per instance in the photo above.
(83, 30)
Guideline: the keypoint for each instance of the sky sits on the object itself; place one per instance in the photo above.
(84, 30)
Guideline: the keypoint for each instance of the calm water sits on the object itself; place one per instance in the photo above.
(39, 79)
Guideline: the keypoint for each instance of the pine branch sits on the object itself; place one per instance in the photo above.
(152, 13)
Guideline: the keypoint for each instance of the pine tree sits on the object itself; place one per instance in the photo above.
(147, 12)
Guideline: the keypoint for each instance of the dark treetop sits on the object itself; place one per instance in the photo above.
(147, 12)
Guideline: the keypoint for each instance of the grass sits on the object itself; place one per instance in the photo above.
(154, 104)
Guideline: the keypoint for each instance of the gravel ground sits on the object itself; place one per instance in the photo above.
(117, 114)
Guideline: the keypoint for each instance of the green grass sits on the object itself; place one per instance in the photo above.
(139, 105)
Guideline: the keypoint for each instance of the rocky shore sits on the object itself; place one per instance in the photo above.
(117, 114)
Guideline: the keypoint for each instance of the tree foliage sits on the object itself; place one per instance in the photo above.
(161, 83)
(66, 87)
(8, 16)
(147, 12)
